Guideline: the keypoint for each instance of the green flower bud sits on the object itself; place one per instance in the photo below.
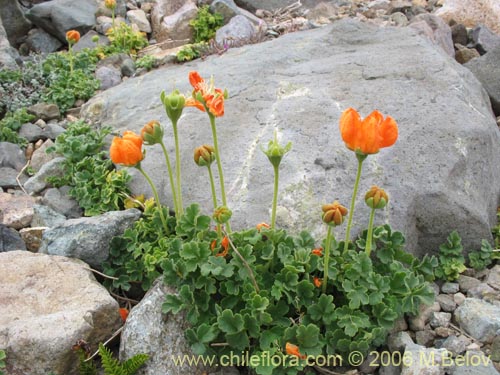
(275, 151)
(95, 38)
(222, 214)
(174, 104)
(152, 133)
(376, 197)
(204, 155)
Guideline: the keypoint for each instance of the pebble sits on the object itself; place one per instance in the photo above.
(449, 288)
(466, 282)
(459, 298)
(446, 302)
(440, 319)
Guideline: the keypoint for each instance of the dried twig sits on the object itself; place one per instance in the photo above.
(250, 272)
(100, 273)
(107, 342)
(219, 344)
(462, 332)
(19, 175)
(135, 302)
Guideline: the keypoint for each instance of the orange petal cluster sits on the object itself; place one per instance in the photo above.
(127, 150)
(123, 313)
(224, 244)
(262, 225)
(317, 281)
(72, 36)
(292, 349)
(205, 97)
(318, 251)
(367, 136)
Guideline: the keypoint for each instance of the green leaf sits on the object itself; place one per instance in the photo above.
(192, 222)
(239, 341)
(322, 310)
(194, 255)
(217, 266)
(308, 336)
(351, 321)
(230, 323)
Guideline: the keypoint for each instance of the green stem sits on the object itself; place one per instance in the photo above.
(361, 158)
(327, 257)
(171, 177)
(219, 165)
(70, 52)
(214, 196)
(275, 195)
(113, 18)
(178, 168)
(369, 235)
(157, 198)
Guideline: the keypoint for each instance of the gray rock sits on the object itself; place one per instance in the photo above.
(121, 62)
(424, 361)
(11, 156)
(481, 291)
(418, 322)
(486, 69)
(128, 68)
(493, 278)
(443, 332)
(14, 22)
(436, 30)
(302, 101)
(44, 216)
(370, 364)
(239, 28)
(495, 349)
(450, 288)
(10, 239)
(229, 9)
(253, 5)
(174, 27)
(109, 77)
(8, 55)
(446, 302)
(466, 282)
(52, 131)
(459, 34)
(456, 345)
(40, 41)
(390, 370)
(86, 41)
(17, 210)
(60, 201)
(161, 336)
(138, 17)
(48, 303)
(45, 111)
(474, 363)
(88, 238)
(425, 338)
(459, 298)
(38, 182)
(484, 39)
(58, 16)
(399, 19)
(31, 132)
(440, 319)
(397, 342)
(8, 177)
(479, 319)
(464, 54)
(41, 157)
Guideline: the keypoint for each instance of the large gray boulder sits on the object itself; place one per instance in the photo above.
(88, 238)
(58, 16)
(48, 303)
(8, 55)
(15, 23)
(442, 174)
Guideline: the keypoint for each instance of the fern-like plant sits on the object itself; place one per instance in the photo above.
(451, 260)
(113, 367)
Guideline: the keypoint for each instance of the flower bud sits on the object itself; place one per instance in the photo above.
(262, 225)
(174, 104)
(222, 214)
(317, 281)
(110, 4)
(152, 133)
(333, 214)
(376, 197)
(204, 155)
(318, 251)
(72, 36)
(95, 38)
(275, 151)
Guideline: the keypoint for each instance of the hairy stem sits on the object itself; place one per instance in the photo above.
(178, 168)
(369, 235)
(327, 257)
(157, 198)
(275, 196)
(172, 182)
(361, 158)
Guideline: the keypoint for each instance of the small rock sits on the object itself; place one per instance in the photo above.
(128, 68)
(41, 157)
(397, 342)
(417, 323)
(40, 41)
(400, 6)
(459, 34)
(108, 76)
(495, 349)
(449, 288)
(12, 156)
(425, 338)
(399, 325)
(443, 331)
(52, 131)
(10, 239)
(440, 319)
(370, 364)
(425, 361)
(484, 40)
(459, 298)
(40, 123)
(467, 282)
(30, 148)
(474, 363)
(87, 41)
(8, 178)
(493, 278)
(436, 30)
(229, 9)
(464, 54)
(38, 182)
(138, 17)
(32, 237)
(17, 210)
(479, 319)
(239, 28)
(446, 302)
(60, 201)
(31, 132)
(45, 111)
(456, 345)
(473, 347)
(44, 216)
(399, 19)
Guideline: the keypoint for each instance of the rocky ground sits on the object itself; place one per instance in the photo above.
(297, 81)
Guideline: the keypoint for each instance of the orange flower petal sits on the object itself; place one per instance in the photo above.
(126, 150)
(317, 281)
(123, 313)
(195, 80)
(192, 102)
(318, 251)
(350, 122)
(388, 131)
(262, 225)
(292, 349)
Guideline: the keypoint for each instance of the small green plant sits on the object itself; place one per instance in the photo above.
(190, 52)
(482, 258)
(10, 125)
(114, 367)
(125, 39)
(206, 24)
(147, 62)
(451, 259)
(94, 182)
(2, 361)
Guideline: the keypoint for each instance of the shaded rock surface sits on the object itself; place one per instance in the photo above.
(10, 239)
(15, 23)
(88, 238)
(8, 54)
(161, 336)
(300, 84)
(17, 210)
(479, 319)
(48, 303)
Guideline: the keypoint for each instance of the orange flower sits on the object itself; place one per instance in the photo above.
(292, 349)
(123, 313)
(367, 136)
(262, 225)
(318, 251)
(192, 102)
(205, 96)
(196, 81)
(72, 36)
(215, 104)
(224, 245)
(333, 214)
(317, 281)
(127, 150)
(110, 4)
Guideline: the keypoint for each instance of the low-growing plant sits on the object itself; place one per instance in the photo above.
(190, 52)
(482, 258)
(10, 125)
(124, 39)
(451, 259)
(94, 182)
(147, 62)
(206, 24)
(2, 361)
